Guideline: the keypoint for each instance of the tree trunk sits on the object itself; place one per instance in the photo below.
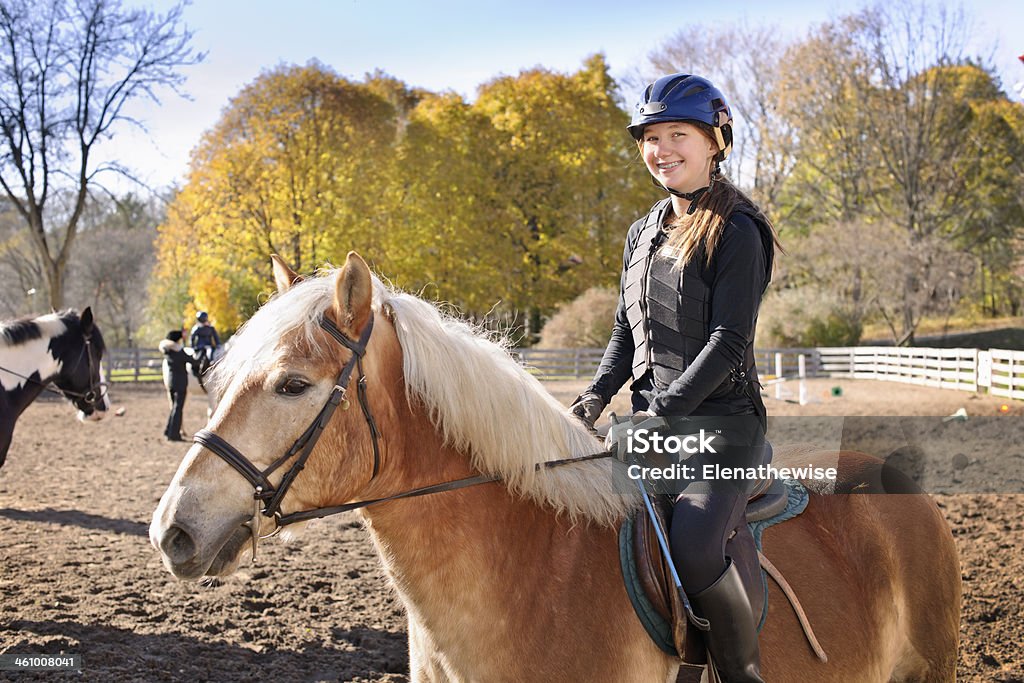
(909, 284)
(55, 283)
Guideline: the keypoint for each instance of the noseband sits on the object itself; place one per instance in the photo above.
(96, 391)
(266, 494)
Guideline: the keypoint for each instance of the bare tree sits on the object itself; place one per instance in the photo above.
(845, 273)
(743, 62)
(918, 128)
(67, 70)
(112, 264)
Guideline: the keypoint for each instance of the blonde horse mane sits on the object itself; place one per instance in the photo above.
(481, 401)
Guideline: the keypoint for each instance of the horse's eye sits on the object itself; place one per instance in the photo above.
(293, 386)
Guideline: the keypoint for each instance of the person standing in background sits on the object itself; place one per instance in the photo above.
(175, 373)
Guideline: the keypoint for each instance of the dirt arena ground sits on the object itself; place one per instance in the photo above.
(79, 576)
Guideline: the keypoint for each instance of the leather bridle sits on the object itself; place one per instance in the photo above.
(268, 498)
(97, 389)
(266, 493)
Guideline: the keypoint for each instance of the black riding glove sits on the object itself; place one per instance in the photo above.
(587, 407)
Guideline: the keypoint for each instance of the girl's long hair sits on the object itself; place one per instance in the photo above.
(703, 226)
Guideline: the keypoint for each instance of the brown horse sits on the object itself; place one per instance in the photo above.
(519, 580)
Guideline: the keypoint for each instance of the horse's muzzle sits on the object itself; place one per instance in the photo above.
(181, 555)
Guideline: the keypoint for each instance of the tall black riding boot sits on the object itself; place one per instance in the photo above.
(732, 639)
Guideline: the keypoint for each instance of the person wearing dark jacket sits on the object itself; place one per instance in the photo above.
(204, 334)
(204, 340)
(175, 373)
(694, 269)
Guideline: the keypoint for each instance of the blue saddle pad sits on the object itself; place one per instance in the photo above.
(656, 625)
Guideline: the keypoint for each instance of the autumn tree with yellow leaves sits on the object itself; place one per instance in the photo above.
(515, 202)
(284, 171)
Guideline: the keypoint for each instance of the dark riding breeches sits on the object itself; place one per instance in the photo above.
(709, 509)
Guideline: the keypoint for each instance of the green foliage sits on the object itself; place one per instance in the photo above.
(834, 330)
(568, 197)
(807, 316)
(288, 169)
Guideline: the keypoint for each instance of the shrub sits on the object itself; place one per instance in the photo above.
(584, 322)
(806, 316)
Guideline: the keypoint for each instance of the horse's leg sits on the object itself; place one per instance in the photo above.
(6, 434)
(423, 664)
(929, 579)
(8, 414)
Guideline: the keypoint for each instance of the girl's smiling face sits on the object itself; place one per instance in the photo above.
(678, 155)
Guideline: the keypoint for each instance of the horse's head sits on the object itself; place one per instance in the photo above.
(80, 350)
(276, 381)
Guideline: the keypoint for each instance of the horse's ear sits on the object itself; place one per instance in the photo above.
(86, 320)
(353, 291)
(284, 276)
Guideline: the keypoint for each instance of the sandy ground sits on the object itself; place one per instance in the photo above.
(79, 576)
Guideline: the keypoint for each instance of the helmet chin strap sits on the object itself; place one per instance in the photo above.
(691, 197)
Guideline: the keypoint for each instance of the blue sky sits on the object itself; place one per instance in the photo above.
(452, 45)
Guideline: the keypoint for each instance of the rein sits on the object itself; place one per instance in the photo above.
(318, 513)
(268, 498)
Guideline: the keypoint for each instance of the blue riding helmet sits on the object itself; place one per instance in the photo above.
(201, 316)
(683, 97)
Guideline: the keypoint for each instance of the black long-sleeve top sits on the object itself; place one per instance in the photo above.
(739, 272)
(175, 365)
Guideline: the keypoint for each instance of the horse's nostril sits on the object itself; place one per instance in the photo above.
(177, 545)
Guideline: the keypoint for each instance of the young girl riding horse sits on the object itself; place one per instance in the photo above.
(693, 273)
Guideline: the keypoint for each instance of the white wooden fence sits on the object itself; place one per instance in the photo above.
(560, 363)
(999, 372)
(941, 368)
(1005, 373)
(582, 363)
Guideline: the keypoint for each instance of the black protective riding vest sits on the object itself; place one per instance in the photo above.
(669, 309)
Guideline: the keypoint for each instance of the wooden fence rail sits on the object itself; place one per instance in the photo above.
(1004, 371)
(134, 365)
(1000, 372)
(582, 363)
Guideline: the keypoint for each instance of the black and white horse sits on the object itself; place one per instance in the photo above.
(63, 348)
